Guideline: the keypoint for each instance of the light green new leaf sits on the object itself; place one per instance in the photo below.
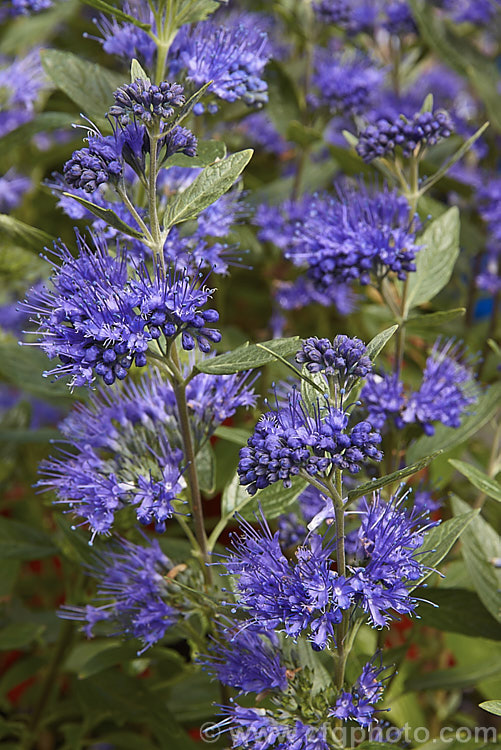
(249, 356)
(447, 438)
(377, 344)
(480, 548)
(493, 707)
(479, 479)
(137, 71)
(107, 215)
(440, 539)
(211, 184)
(24, 234)
(89, 85)
(207, 153)
(436, 259)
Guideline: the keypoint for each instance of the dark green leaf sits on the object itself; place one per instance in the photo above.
(108, 657)
(436, 259)
(21, 541)
(211, 184)
(459, 678)
(107, 215)
(493, 707)
(24, 366)
(196, 10)
(396, 476)
(440, 540)
(233, 434)
(447, 438)
(479, 479)
(301, 134)
(19, 635)
(45, 121)
(434, 319)
(249, 356)
(275, 499)
(89, 85)
(42, 435)
(480, 548)
(377, 344)
(448, 614)
(24, 234)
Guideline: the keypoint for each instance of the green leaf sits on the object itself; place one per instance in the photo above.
(275, 499)
(480, 548)
(396, 476)
(211, 184)
(107, 215)
(108, 657)
(479, 479)
(283, 106)
(235, 435)
(302, 134)
(137, 71)
(45, 121)
(436, 259)
(377, 344)
(196, 10)
(120, 14)
(206, 468)
(207, 153)
(22, 541)
(457, 157)
(249, 356)
(459, 678)
(19, 437)
(19, 635)
(25, 365)
(447, 438)
(440, 540)
(447, 614)
(24, 234)
(434, 319)
(89, 85)
(493, 707)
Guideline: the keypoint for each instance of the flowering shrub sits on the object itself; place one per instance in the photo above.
(250, 436)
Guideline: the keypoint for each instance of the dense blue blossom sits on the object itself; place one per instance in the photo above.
(447, 389)
(97, 321)
(146, 101)
(246, 660)
(352, 15)
(26, 7)
(476, 12)
(13, 186)
(387, 557)
(119, 432)
(94, 165)
(260, 129)
(344, 359)
(353, 236)
(358, 704)
(232, 57)
(346, 85)
(132, 594)
(126, 40)
(383, 397)
(22, 81)
(290, 439)
(384, 136)
(304, 596)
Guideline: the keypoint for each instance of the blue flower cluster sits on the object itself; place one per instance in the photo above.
(307, 596)
(131, 581)
(346, 85)
(13, 186)
(448, 387)
(22, 81)
(98, 321)
(111, 439)
(354, 236)
(246, 660)
(125, 39)
(358, 705)
(344, 359)
(27, 7)
(94, 165)
(384, 136)
(290, 439)
(233, 57)
(145, 101)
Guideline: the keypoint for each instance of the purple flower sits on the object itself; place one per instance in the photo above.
(344, 359)
(384, 136)
(27, 7)
(346, 85)
(146, 101)
(246, 660)
(289, 440)
(383, 397)
(13, 186)
(232, 57)
(91, 167)
(357, 705)
(447, 389)
(125, 39)
(353, 236)
(131, 582)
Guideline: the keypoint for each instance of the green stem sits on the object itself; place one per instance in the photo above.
(156, 234)
(341, 570)
(65, 637)
(123, 195)
(179, 387)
